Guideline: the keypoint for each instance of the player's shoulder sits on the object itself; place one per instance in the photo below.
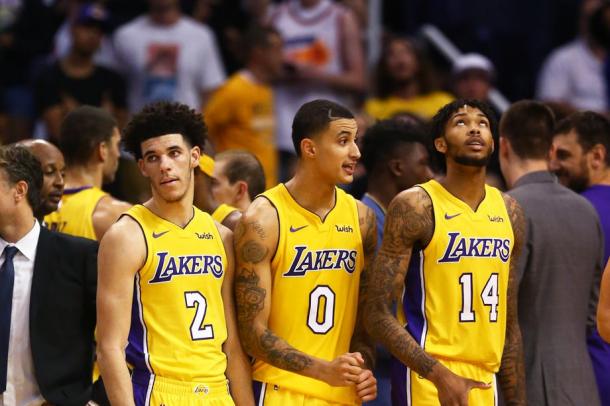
(125, 232)
(261, 215)
(415, 198)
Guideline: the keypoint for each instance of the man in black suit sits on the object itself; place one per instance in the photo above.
(51, 277)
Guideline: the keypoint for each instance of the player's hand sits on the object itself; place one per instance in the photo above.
(344, 370)
(366, 387)
(453, 389)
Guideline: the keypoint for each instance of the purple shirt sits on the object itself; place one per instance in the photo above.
(599, 196)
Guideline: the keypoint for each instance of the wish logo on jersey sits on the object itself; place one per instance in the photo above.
(459, 247)
(321, 260)
(169, 267)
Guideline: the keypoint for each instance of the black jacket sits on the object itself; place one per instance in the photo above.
(62, 317)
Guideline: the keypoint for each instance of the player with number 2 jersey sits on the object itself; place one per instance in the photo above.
(165, 281)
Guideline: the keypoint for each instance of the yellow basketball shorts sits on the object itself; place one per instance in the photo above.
(160, 391)
(267, 394)
(410, 389)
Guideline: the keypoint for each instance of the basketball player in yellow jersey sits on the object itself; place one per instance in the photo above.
(165, 299)
(449, 255)
(89, 140)
(300, 249)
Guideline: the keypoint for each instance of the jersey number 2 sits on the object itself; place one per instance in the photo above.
(199, 331)
(489, 297)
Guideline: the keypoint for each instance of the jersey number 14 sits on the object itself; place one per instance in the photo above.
(489, 297)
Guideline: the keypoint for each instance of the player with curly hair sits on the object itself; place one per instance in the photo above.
(165, 280)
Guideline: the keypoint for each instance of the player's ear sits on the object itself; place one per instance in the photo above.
(395, 167)
(102, 151)
(308, 147)
(242, 189)
(21, 191)
(597, 156)
(440, 144)
(195, 155)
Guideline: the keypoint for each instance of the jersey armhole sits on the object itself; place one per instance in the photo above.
(279, 229)
(143, 236)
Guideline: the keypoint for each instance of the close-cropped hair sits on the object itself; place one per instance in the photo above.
(82, 131)
(528, 125)
(591, 129)
(244, 166)
(314, 117)
(381, 141)
(163, 118)
(20, 164)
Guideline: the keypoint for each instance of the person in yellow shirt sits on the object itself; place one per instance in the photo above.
(404, 83)
(89, 140)
(240, 114)
(165, 272)
(449, 259)
(300, 250)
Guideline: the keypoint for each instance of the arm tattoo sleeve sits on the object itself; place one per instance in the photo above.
(512, 371)
(250, 296)
(409, 220)
(361, 341)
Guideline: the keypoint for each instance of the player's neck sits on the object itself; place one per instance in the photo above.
(76, 65)
(382, 190)
(406, 90)
(309, 192)
(601, 177)
(467, 183)
(79, 176)
(179, 212)
(18, 225)
(519, 168)
(165, 17)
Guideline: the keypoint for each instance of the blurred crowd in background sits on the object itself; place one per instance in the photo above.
(249, 64)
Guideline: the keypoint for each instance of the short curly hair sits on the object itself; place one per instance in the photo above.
(161, 118)
(441, 118)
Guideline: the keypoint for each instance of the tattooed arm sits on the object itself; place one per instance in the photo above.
(361, 341)
(256, 238)
(409, 220)
(512, 370)
(239, 372)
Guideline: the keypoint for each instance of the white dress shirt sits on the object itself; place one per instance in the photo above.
(21, 386)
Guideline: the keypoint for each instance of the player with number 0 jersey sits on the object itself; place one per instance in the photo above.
(165, 281)
(300, 250)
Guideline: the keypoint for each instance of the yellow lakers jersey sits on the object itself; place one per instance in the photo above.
(222, 211)
(178, 323)
(454, 302)
(75, 213)
(315, 279)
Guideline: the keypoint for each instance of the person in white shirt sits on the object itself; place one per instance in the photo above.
(47, 296)
(167, 56)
